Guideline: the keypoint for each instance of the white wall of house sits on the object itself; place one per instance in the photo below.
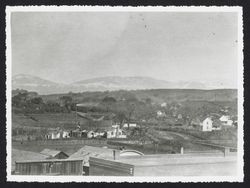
(207, 124)
(55, 135)
(116, 133)
(160, 114)
(229, 122)
(163, 104)
(65, 134)
(130, 125)
(225, 120)
(90, 134)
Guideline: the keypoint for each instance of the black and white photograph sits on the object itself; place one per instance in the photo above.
(114, 94)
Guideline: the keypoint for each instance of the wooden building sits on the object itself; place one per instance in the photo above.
(49, 167)
(54, 154)
(199, 164)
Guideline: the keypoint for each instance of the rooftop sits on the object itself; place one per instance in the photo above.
(198, 164)
(50, 152)
(89, 151)
(21, 155)
(175, 159)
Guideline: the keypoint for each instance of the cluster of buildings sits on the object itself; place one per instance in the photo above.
(210, 123)
(109, 132)
(204, 123)
(104, 161)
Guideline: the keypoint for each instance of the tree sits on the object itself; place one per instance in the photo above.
(148, 101)
(108, 102)
(125, 110)
(66, 101)
(20, 99)
(120, 117)
(37, 100)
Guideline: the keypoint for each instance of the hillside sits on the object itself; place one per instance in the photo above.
(36, 84)
(109, 83)
(156, 95)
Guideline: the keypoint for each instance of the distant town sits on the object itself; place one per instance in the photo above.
(82, 130)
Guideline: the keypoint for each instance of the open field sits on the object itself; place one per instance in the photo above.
(227, 137)
(172, 138)
(157, 95)
(47, 120)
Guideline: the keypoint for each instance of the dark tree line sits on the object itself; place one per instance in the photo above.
(31, 102)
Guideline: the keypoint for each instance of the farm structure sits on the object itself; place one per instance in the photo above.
(130, 124)
(204, 124)
(49, 167)
(21, 155)
(207, 124)
(115, 132)
(226, 121)
(199, 164)
(106, 153)
(54, 154)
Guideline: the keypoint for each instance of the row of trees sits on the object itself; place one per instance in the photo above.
(31, 102)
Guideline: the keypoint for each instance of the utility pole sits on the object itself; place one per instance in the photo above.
(76, 114)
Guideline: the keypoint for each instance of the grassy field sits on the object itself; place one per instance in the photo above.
(47, 120)
(227, 137)
(173, 138)
(157, 95)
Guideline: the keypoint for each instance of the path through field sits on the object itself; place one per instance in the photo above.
(185, 140)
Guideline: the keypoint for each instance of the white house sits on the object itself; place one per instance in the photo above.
(65, 134)
(116, 126)
(55, 135)
(91, 134)
(163, 104)
(225, 120)
(160, 114)
(125, 125)
(97, 134)
(116, 133)
(207, 124)
(179, 116)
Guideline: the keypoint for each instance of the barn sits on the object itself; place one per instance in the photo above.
(49, 167)
(54, 154)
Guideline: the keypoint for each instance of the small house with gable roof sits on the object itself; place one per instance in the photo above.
(54, 154)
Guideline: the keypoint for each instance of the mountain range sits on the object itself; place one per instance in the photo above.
(111, 83)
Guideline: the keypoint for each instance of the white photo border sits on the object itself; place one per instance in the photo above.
(23, 178)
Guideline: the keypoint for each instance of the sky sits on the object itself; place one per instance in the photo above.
(174, 46)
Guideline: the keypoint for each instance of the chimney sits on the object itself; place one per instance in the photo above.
(116, 154)
(182, 150)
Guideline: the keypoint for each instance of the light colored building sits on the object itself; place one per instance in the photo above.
(160, 114)
(130, 125)
(91, 134)
(163, 104)
(204, 124)
(55, 135)
(116, 133)
(65, 134)
(179, 116)
(225, 120)
(207, 124)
